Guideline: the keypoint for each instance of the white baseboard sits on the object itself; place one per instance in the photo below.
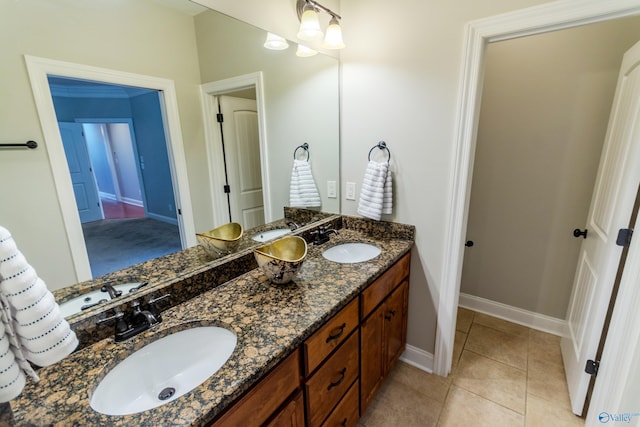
(419, 358)
(107, 196)
(134, 202)
(520, 316)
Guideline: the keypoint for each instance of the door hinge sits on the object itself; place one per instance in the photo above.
(179, 211)
(592, 367)
(624, 237)
(219, 117)
(227, 189)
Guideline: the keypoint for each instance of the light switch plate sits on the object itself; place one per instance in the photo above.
(331, 189)
(351, 191)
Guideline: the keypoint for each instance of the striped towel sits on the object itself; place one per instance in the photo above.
(31, 321)
(303, 192)
(376, 195)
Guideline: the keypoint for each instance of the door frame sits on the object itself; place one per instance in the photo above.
(209, 92)
(38, 69)
(540, 19)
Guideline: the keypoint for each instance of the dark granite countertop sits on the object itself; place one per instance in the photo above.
(270, 321)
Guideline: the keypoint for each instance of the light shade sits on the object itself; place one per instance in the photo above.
(309, 24)
(304, 52)
(275, 42)
(333, 38)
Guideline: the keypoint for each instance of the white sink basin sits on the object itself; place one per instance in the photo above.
(75, 305)
(265, 236)
(163, 370)
(349, 253)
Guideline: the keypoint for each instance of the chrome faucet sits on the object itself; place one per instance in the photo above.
(292, 225)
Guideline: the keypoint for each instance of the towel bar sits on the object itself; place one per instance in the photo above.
(383, 146)
(305, 147)
(28, 144)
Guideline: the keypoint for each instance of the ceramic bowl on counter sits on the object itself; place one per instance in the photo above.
(281, 260)
(221, 240)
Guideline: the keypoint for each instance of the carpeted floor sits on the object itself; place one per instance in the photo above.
(114, 244)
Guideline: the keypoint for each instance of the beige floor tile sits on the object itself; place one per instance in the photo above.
(547, 381)
(464, 319)
(544, 413)
(498, 345)
(501, 325)
(465, 409)
(398, 405)
(432, 386)
(544, 347)
(458, 345)
(500, 383)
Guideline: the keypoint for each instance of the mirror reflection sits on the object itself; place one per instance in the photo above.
(191, 47)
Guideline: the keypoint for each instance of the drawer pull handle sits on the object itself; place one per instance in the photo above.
(344, 423)
(337, 383)
(338, 334)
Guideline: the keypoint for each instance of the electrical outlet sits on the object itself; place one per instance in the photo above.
(331, 189)
(351, 191)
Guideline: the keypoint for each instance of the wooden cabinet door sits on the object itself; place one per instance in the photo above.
(292, 415)
(395, 325)
(371, 357)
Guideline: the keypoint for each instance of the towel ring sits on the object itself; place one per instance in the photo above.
(305, 147)
(382, 146)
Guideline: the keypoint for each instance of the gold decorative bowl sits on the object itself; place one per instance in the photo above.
(281, 260)
(221, 240)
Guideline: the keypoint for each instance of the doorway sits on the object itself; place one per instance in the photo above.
(120, 171)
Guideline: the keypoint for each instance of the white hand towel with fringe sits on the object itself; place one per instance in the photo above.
(372, 193)
(32, 323)
(303, 192)
(387, 197)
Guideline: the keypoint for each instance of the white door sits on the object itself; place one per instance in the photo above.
(611, 206)
(242, 153)
(82, 179)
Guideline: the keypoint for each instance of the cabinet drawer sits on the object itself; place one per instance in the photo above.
(292, 415)
(327, 386)
(346, 413)
(331, 335)
(378, 290)
(265, 398)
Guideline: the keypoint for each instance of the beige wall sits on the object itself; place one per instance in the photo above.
(132, 37)
(545, 107)
(301, 100)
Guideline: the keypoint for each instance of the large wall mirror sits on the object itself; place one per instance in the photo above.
(174, 40)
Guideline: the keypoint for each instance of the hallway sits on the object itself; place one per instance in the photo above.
(503, 374)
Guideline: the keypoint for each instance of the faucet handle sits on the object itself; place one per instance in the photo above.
(119, 315)
(153, 304)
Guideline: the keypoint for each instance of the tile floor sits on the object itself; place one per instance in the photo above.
(503, 375)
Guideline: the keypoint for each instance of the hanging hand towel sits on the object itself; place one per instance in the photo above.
(387, 199)
(303, 192)
(32, 321)
(375, 195)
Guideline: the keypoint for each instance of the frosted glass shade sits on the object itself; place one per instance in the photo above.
(309, 25)
(275, 42)
(304, 51)
(333, 38)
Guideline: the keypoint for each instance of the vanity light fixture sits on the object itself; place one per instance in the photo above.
(275, 42)
(305, 52)
(310, 25)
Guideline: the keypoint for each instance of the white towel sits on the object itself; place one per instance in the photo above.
(31, 321)
(303, 192)
(376, 193)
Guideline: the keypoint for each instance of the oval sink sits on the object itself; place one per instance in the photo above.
(349, 253)
(164, 370)
(265, 236)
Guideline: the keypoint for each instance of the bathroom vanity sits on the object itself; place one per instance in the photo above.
(313, 352)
